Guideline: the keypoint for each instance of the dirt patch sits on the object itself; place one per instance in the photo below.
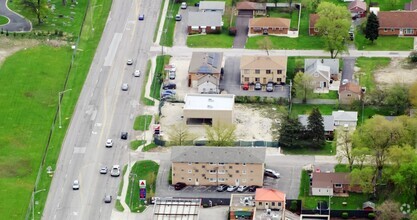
(398, 71)
(9, 46)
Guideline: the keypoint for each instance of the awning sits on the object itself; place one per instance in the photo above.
(243, 214)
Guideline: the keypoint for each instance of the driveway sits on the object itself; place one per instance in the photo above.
(231, 82)
(348, 68)
(181, 32)
(17, 23)
(242, 22)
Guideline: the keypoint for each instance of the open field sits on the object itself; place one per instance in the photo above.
(391, 43)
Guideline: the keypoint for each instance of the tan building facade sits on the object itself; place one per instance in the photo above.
(263, 69)
(202, 64)
(218, 165)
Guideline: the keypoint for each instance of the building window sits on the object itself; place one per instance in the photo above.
(337, 185)
(409, 31)
(385, 30)
(203, 166)
(251, 171)
(221, 180)
(279, 203)
(221, 164)
(212, 179)
(190, 171)
(189, 179)
(213, 27)
(244, 164)
(246, 79)
(260, 203)
(349, 95)
(212, 171)
(196, 171)
(189, 163)
(243, 171)
(230, 167)
(246, 71)
(182, 178)
(392, 29)
(257, 71)
(257, 79)
(272, 203)
(221, 172)
(211, 163)
(268, 71)
(279, 80)
(279, 71)
(237, 171)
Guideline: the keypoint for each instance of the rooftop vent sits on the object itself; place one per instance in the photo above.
(211, 100)
(209, 106)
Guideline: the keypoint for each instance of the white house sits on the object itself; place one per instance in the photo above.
(345, 118)
(208, 84)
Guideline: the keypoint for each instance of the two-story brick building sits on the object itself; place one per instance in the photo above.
(218, 165)
(263, 69)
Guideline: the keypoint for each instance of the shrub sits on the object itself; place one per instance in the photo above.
(293, 207)
(345, 215)
(232, 31)
(413, 56)
(371, 215)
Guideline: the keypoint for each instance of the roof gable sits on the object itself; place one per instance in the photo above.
(265, 194)
(270, 22)
(208, 18)
(357, 3)
(327, 180)
(263, 62)
(208, 79)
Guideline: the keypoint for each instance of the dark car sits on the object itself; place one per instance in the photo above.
(141, 17)
(222, 188)
(170, 86)
(258, 86)
(270, 87)
(123, 135)
(272, 173)
(197, 4)
(179, 186)
(253, 188)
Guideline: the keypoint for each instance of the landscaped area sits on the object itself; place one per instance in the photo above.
(3, 20)
(391, 43)
(136, 143)
(328, 149)
(142, 122)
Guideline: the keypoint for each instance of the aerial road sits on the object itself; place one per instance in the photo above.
(103, 111)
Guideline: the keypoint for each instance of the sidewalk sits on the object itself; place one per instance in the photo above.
(162, 22)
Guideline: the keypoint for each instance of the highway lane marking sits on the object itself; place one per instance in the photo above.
(108, 60)
(70, 161)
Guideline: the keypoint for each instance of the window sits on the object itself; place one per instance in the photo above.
(279, 203)
(349, 95)
(189, 179)
(213, 27)
(268, 71)
(237, 171)
(211, 163)
(221, 164)
(260, 203)
(230, 167)
(243, 171)
(257, 71)
(221, 172)
(246, 71)
(279, 71)
(272, 203)
(212, 171)
(257, 79)
(385, 30)
(212, 179)
(189, 163)
(392, 29)
(203, 166)
(244, 164)
(221, 180)
(246, 79)
(196, 171)
(337, 185)
(409, 31)
(279, 80)
(190, 171)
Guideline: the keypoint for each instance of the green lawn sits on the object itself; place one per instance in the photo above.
(142, 122)
(391, 43)
(284, 13)
(330, 95)
(149, 147)
(222, 40)
(368, 66)
(328, 149)
(155, 34)
(143, 170)
(118, 205)
(136, 143)
(144, 100)
(302, 109)
(3, 20)
(159, 74)
(167, 37)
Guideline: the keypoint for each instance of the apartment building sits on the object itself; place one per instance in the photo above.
(263, 69)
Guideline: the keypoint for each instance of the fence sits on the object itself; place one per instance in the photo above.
(351, 214)
(160, 142)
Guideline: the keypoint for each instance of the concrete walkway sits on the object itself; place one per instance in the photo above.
(162, 21)
(415, 43)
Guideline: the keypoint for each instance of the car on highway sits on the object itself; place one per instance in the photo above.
(258, 86)
(115, 171)
(141, 17)
(253, 188)
(178, 17)
(123, 136)
(222, 188)
(272, 173)
(76, 185)
(231, 188)
(270, 87)
(129, 62)
(107, 198)
(125, 87)
(179, 186)
(103, 170)
(184, 5)
(136, 73)
(242, 188)
(109, 143)
(169, 86)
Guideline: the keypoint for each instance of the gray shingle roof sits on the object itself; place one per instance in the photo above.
(209, 18)
(218, 154)
(328, 121)
(206, 62)
(345, 115)
(332, 63)
(212, 5)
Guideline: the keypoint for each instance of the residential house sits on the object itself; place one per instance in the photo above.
(332, 184)
(322, 72)
(218, 165)
(270, 202)
(204, 22)
(209, 109)
(251, 8)
(207, 6)
(411, 6)
(345, 118)
(397, 23)
(208, 84)
(312, 22)
(204, 63)
(349, 93)
(269, 26)
(358, 9)
(242, 206)
(328, 123)
(263, 69)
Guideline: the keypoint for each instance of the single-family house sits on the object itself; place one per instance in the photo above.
(204, 63)
(311, 26)
(212, 166)
(208, 84)
(269, 26)
(263, 69)
(322, 72)
(349, 93)
(209, 109)
(251, 8)
(345, 118)
(332, 184)
(204, 22)
(328, 123)
(270, 202)
(357, 8)
(397, 23)
(411, 6)
(207, 6)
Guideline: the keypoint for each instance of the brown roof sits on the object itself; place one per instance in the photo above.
(326, 180)
(245, 5)
(411, 6)
(270, 22)
(313, 20)
(264, 194)
(358, 3)
(352, 87)
(263, 62)
(397, 19)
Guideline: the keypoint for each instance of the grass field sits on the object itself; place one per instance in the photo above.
(142, 122)
(161, 61)
(3, 20)
(222, 40)
(149, 147)
(144, 100)
(368, 66)
(136, 143)
(302, 109)
(144, 170)
(167, 37)
(391, 43)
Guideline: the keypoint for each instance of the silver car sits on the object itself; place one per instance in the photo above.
(125, 86)
(129, 62)
(115, 171)
(76, 185)
(109, 143)
(136, 73)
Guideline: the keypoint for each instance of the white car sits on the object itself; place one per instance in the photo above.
(184, 5)
(231, 188)
(76, 185)
(242, 188)
(103, 170)
(109, 143)
(115, 171)
(136, 73)
(129, 62)
(125, 87)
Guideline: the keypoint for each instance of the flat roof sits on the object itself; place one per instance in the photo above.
(176, 208)
(209, 101)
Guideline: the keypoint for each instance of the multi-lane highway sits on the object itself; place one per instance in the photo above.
(103, 111)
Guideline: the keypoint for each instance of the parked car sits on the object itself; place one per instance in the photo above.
(76, 185)
(169, 92)
(103, 170)
(258, 86)
(171, 75)
(136, 73)
(222, 188)
(178, 17)
(242, 188)
(231, 188)
(115, 171)
(123, 135)
(180, 186)
(245, 86)
(107, 198)
(129, 62)
(272, 173)
(125, 87)
(345, 81)
(141, 17)
(184, 5)
(170, 86)
(197, 4)
(253, 188)
(109, 143)
(270, 87)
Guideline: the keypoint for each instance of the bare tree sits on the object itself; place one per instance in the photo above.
(221, 134)
(179, 134)
(344, 140)
(390, 210)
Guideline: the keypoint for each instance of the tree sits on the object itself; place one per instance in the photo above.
(38, 7)
(311, 5)
(303, 86)
(333, 25)
(413, 215)
(344, 142)
(179, 134)
(371, 29)
(389, 210)
(316, 128)
(290, 132)
(363, 178)
(221, 134)
(405, 179)
(413, 94)
(398, 155)
(360, 154)
(397, 97)
(413, 56)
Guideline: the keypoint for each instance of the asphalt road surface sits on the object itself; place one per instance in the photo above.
(17, 23)
(103, 111)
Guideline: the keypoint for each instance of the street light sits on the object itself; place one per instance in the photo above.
(59, 105)
(33, 202)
